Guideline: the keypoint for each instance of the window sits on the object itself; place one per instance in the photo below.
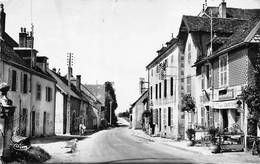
(25, 83)
(182, 64)
(182, 72)
(202, 83)
(151, 92)
(172, 59)
(165, 87)
(182, 88)
(171, 86)
(209, 75)
(188, 84)
(223, 72)
(38, 91)
(202, 116)
(164, 116)
(182, 58)
(182, 79)
(156, 91)
(189, 53)
(14, 78)
(160, 90)
(48, 94)
(169, 116)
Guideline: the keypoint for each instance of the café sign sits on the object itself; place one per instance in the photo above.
(225, 104)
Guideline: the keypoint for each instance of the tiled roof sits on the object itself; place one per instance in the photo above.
(235, 12)
(62, 82)
(202, 24)
(144, 95)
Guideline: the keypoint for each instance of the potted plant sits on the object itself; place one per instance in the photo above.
(213, 132)
(191, 136)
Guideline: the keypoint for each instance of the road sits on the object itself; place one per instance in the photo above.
(119, 145)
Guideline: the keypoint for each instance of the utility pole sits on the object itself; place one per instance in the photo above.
(69, 63)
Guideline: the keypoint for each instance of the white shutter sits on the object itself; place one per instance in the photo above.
(171, 116)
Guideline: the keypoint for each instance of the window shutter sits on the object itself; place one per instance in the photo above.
(37, 118)
(22, 83)
(171, 116)
(46, 94)
(10, 77)
(29, 83)
(17, 83)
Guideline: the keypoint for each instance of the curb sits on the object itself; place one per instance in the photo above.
(151, 140)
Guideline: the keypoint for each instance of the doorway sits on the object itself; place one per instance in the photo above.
(33, 123)
(225, 118)
(44, 123)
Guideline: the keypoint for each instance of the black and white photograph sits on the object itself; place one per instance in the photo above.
(130, 81)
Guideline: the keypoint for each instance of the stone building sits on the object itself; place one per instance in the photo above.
(32, 89)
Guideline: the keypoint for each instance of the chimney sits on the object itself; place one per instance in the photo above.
(22, 37)
(2, 21)
(78, 81)
(30, 40)
(222, 10)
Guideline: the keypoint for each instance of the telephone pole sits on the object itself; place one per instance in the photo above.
(69, 63)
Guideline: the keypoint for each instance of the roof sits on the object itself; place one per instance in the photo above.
(143, 96)
(235, 12)
(62, 83)
(202, 24)
(162, 52)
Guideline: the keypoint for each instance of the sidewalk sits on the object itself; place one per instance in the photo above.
(182, 145)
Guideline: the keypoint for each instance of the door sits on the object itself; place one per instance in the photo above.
(33, 123)
(24, 122)
(225, 118)
(44, 123)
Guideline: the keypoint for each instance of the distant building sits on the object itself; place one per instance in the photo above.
(137, 111)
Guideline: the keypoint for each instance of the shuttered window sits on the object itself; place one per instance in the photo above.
(169, 116)
(48, 94)
(38, 91)
(13, 80)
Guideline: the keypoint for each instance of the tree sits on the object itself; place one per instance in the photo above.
(110, 97)
(251, 96)
(188, 103)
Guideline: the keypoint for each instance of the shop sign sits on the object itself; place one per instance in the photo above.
(228, 94)
(225, 104)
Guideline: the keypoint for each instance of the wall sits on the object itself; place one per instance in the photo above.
(59, 106)
(20, 100)
(41, 106)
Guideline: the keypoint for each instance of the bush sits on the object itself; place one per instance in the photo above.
(190, 134)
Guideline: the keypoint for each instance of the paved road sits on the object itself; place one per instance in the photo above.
(120, 145)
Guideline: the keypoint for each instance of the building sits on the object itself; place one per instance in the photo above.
(218, 76)
(34, 114)
(137, 111)
(95, 105)
(166, 85)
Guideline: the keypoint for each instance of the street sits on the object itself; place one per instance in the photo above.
(119, 145)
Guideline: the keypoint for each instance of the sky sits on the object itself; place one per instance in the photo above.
(112, 40)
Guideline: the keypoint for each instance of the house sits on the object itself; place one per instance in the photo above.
(33, 116)
(95, 106)
(137, 111)
(166, 85)
(220, 66)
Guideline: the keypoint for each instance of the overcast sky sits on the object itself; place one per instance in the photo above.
(112, 40)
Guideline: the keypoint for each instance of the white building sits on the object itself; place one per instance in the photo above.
(165, 76)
